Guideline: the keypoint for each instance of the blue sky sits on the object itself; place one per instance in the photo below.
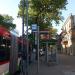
(10, 7)
(70, 8)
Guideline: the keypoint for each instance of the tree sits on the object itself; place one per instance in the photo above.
(7, 21)
(53, 32)
(44, 12)
(1, 19)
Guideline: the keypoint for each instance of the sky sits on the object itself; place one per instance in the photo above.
(10, 7)
(65, 13)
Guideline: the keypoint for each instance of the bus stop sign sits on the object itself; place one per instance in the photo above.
(34, 27)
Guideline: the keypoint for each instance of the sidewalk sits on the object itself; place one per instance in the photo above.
(65, 66)
(53, 69)
(45, 69)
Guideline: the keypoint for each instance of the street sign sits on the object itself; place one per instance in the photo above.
(34, 27)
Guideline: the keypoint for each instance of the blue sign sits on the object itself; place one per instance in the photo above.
(34, 27)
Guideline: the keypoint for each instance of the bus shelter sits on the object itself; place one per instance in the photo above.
(50, 50)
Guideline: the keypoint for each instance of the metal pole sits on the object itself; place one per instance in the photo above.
(23, 19)
(27, 37)
(22, 23)
(47, 52)
(38, 49)
(22, 71)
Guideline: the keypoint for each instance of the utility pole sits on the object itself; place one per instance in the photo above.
(27, 62)
(22, 47)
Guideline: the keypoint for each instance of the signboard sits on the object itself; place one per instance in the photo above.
(34, 27)
(44, 36)
(50, 42)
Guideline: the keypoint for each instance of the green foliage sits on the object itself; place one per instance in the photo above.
(7, 21)
(44, 11)
(31, 37)
(1, 19)
(52, 31)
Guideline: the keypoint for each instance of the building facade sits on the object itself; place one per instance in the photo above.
(68, 36)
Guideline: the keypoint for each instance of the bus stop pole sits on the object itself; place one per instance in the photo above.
(38, 49)
(47, 52)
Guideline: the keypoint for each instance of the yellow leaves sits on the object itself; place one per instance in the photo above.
(52, 30)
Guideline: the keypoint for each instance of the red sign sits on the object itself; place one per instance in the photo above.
(44, 36)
